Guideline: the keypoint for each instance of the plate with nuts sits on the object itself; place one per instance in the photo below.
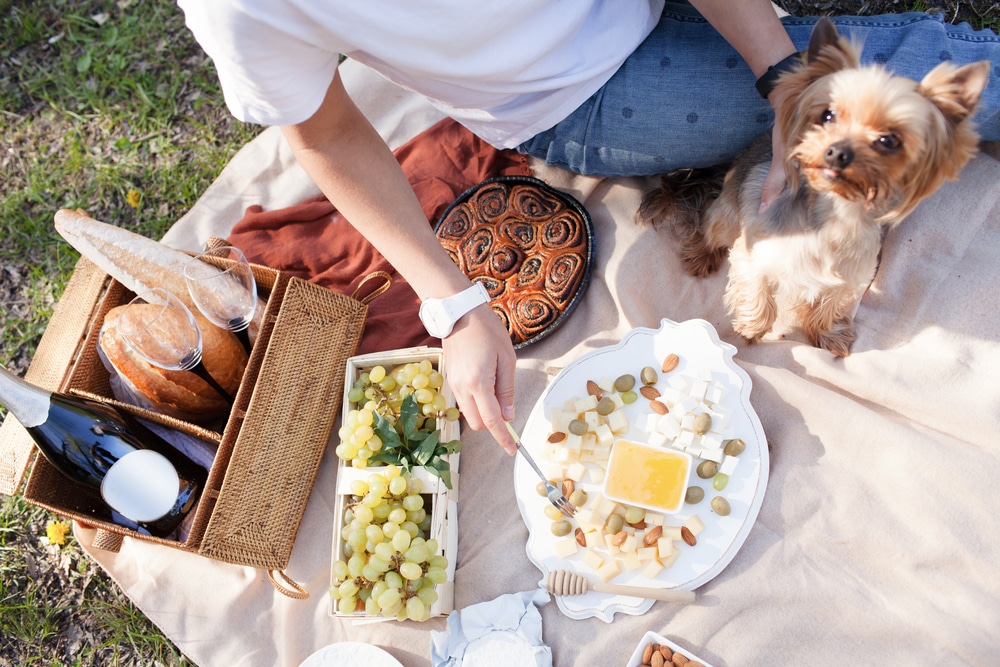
(655, 442)
(657, 651)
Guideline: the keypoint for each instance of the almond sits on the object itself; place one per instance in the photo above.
(581, 538)
(656, 660)
(619, 538)
(593, 389)
(670, 363)
(658, 407)
(667, 653)
(647, 653)
(688, 536)
(649, 392)
(568, 486)
(652, 535)
(558, 436)
(639, 525)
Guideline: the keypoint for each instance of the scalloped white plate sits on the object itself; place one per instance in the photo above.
(700, 350)
(351, 654)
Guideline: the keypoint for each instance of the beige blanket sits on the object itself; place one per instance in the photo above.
(876, 542)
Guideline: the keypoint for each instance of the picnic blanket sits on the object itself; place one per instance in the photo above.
(876, 542)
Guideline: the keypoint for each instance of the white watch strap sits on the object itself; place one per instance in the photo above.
(461, 303)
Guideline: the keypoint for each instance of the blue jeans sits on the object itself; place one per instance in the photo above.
(685, 97)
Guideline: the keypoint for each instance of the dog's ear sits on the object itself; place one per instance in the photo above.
(956, 90)
(828, 52)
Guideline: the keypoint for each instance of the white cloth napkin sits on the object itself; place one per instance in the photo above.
(504, 631)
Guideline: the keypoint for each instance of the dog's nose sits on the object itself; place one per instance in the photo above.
(839, 155)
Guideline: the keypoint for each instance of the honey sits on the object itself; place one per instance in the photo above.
(647, 476)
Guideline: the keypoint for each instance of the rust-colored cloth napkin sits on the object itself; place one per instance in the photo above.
(312, 241)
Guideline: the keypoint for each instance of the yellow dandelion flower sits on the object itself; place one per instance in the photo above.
(57, 531)
(133, 197)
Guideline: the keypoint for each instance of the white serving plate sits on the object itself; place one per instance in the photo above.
(700, 350)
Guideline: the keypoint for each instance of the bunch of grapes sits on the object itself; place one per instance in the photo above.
(391, 567)
(381, 391)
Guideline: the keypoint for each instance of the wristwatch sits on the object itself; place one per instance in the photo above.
(440, 315)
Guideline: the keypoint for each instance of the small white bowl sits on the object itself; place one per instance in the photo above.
(640, 459)
(652, 637)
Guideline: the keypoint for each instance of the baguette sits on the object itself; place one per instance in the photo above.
(137, 262)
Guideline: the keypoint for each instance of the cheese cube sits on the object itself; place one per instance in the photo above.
(687, 405)
(687, 422)
(589, 520)
(585, 403)
(664, 547)
(646, 553)
(595, 539)
(667, 425)
(554, 472)
(656, 439)
(671, 559)
(592, 419)
(589, 442)
(631, 562)
(612, 549)
(616, 398)
(565, 548)
(573, 443)
(728, 465)
(672, 532)
(609, 570)
(678, 382)
(592, 559)
(651, 419)
(712, 455)
(604, 435)
(575, 471)
(595, 474)
(694, 524)
(618, 422)
(604, 505)
(630, 544)
(687, 439)
(607, 385)
(654, 519)
(716, 393)
(652, 569)
(561, 455)
(560, 419)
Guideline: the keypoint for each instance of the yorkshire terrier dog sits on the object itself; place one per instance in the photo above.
(864, 148)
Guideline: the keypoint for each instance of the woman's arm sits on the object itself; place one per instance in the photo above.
(754, 30)
(354, 168)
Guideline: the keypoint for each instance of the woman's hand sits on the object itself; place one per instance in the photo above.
(480, 367)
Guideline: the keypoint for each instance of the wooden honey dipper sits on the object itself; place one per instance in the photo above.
(564, 582)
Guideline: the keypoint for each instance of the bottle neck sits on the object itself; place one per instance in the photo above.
(30, 404)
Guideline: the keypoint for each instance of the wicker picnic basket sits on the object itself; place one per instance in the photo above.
(270, 448)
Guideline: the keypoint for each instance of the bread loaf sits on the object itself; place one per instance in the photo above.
(180, 394)
(137, 262)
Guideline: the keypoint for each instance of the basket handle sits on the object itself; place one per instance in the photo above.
(293, 589)
(381, 289)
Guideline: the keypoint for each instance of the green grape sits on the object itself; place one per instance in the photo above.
(372, 500)
(440, 403)
(374, 534)
(452, 414)
(387, 384)
(355, 395)
(417, 553)
(390, 597)
(340, 570)
(348, 589)
(428, 595)
(355, 564)
(440, 562)
(397, 515)
(375, 443)
(417, 517)
(629, 397)
(366, 418)
(365, 379)
(411, 571)
(348, 605)
(389, 529)
(435, 380)
(420, 381)
(410, 528)
(416, 485)
(397, 487)
(634, 514)
(335, 591)
(364, 514)
(425, 525)
(415, 609)
(357, 539)
(359, 487)
(371, 606)
(394, 580)
(370, 573)
(413, 502)
(424, 396)
(432, 546)
(378, 588)
(380, 564)
(436, 575)
(720, 481)
(364, 432)
(401, 540)
(359, 463)
(376, 374)
(384, 551)
(382, 512)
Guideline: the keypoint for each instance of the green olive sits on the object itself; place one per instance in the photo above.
(541, 490)
(694, 495)
(648, 376)
(605, 406)
(578, 498)
(720, 506)
(734, 447)
(561, 528)
(552, 512)
(624, 382)
(702, 423)
(577, 427)
(707, 469)
(614, 524)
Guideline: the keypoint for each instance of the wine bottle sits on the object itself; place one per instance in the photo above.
(146, 480)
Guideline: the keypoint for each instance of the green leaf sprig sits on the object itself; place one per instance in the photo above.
(405, 445)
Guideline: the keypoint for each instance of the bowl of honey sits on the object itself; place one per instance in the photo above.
(645, 476)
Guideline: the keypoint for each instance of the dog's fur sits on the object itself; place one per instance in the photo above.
(864, 148)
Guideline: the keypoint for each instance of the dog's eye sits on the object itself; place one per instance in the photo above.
(827, 117)
(890, 143)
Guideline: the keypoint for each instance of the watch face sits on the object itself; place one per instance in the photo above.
(435, 318)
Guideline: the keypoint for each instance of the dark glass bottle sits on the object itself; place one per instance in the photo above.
(139, 475)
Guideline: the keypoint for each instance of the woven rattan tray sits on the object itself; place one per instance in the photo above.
(270, 448)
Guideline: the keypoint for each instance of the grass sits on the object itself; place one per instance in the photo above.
(111, 106)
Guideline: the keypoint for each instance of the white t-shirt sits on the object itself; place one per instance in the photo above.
(506, 70)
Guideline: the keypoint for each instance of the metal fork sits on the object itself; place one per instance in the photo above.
(555, 495)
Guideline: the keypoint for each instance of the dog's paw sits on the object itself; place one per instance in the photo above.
(752, 330)
(838, 341)
(702, 262)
